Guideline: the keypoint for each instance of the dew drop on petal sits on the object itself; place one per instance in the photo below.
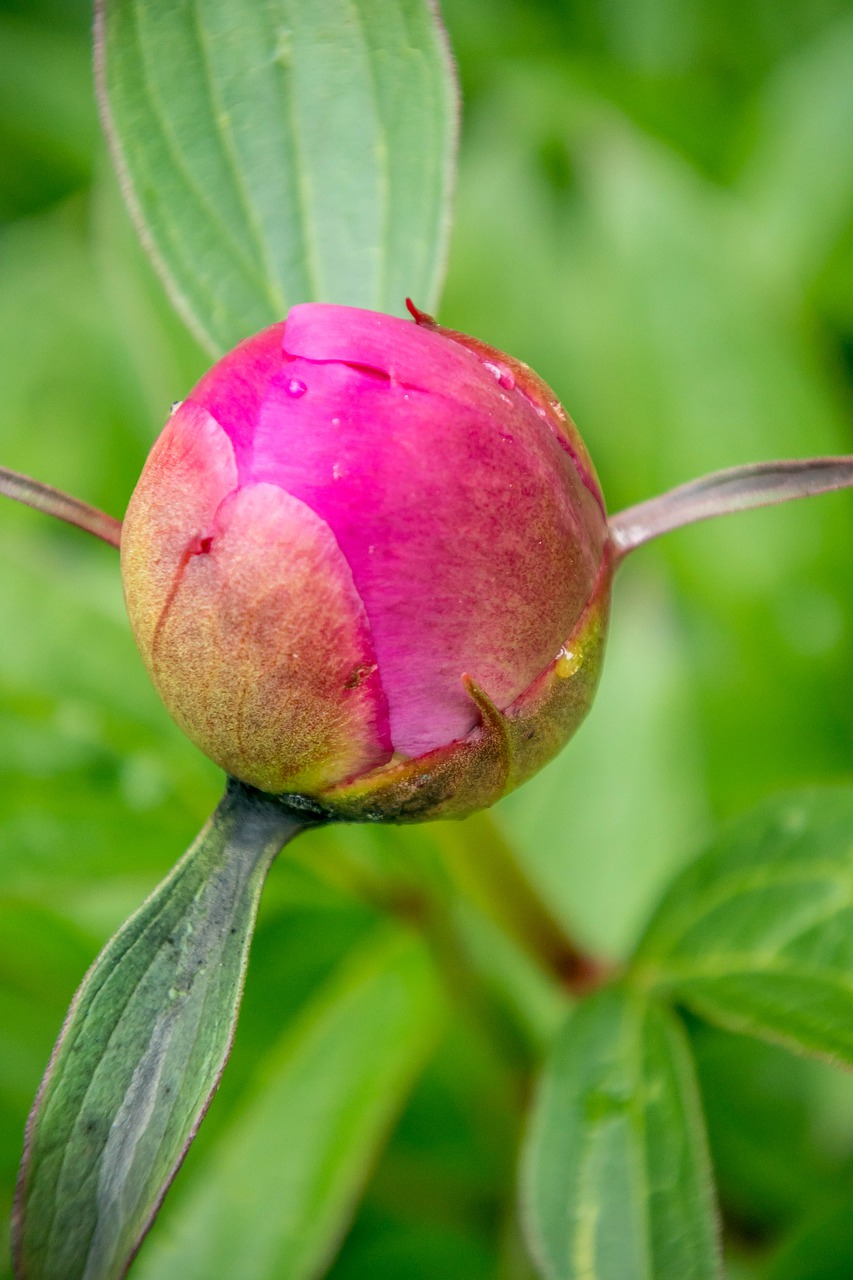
(503, 375)
(567, 662)
(295, 387)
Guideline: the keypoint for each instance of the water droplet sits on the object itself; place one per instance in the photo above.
(337, 471)
(504, 375)
(567, 662)
(336, 422)
(174, 407)
(295, 388)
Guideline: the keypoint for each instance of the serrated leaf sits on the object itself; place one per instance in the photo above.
(141, 1052)
(280, 1187)
(758, 933)
(295, 151)
(615, 1180)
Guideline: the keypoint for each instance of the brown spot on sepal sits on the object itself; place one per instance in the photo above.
(358, 675)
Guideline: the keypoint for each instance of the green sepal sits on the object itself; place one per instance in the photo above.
(142, 1051)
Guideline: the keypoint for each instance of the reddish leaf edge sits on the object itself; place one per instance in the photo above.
(53, 502)
(758, 484)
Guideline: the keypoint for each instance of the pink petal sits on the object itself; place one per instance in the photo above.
(233, 390)
(189, 472)
(472, 540)
(407, 355)
(246, 614)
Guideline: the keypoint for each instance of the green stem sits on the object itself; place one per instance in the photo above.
(486, 870)
(142, 1051)
(53, 502)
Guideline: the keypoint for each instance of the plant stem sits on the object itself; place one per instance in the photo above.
(486, 870)
(761, 484)
(53, 502)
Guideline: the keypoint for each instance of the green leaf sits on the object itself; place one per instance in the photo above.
(758, 933)
(799, 178)
(279, 1189)
(47, 119)
(615, 1180)
(821, 1250)
(141, 1052)
(299, 150)
(779, 1128)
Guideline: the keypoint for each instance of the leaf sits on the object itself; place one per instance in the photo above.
(141, 1052)
(758, 484)
(758, 933)
(822, 1249)
(299, 150)
(48, 122)
(778, 1126)
(799, 178)
(279, 1189)
(616, 1182)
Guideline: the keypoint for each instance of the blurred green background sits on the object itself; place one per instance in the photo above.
(655, 210)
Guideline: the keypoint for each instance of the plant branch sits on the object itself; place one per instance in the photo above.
(761, 484)
(487, 872)
(53, 502)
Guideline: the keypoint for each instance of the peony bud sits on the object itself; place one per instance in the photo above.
(367, 563)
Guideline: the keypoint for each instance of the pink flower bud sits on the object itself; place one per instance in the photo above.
(367, 562)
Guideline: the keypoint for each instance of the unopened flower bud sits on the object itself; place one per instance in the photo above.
(367, 563)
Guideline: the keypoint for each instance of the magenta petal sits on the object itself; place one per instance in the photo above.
(234, 389)
(401, 477)
(401, 350)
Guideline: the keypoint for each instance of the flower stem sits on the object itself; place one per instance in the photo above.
(761, 484)
(486, 870)
(53, 502)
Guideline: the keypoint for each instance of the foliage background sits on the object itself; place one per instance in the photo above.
(655, 209)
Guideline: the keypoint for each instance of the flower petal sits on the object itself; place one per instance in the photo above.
(245, 612)
(264, 655)
(189, 472)
(472, 540)
(234, 389)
